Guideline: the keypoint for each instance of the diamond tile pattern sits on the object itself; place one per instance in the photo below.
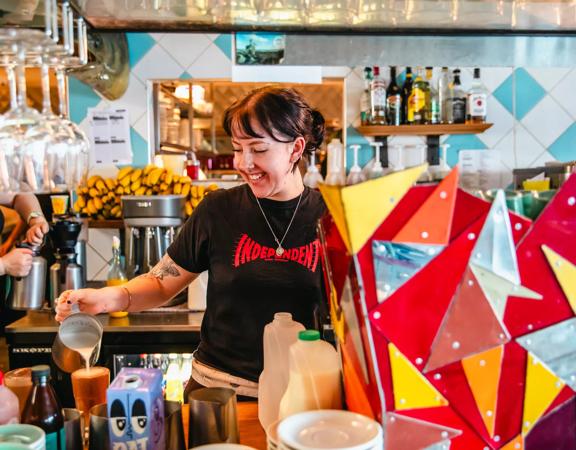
(542, 129)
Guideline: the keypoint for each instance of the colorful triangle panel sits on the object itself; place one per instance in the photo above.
(515, 444)
(555, 431)
(565, 272)
(470, 326)
(355, 389)
(542, 387)
(432, 223)
(483, 374)
(411, 388)
(402, 433)
(358, 210)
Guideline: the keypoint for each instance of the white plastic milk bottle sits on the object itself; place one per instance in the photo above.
(279, 335)
(315, 376)
(9, 410)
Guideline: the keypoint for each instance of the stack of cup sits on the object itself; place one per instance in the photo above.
(329, 429)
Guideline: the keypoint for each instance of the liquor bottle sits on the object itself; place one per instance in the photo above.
(458, 102)
(365, 102)
(476, 101)
(417, 101)
(393, 100)
(444, 96)
(378, 98)
(116, 274)
(43, 409)
(434, 105)
(406, 89)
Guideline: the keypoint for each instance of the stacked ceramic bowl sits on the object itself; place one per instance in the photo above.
(326, 429)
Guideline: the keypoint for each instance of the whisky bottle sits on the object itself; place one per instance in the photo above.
(393, 100)
(476, 101)
(417, 101)
(378, 98)
(365, 102)
(458, 101)
(406, 89)
(434, 104)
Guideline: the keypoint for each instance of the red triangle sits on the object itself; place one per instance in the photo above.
(432, 223)
(470, 326)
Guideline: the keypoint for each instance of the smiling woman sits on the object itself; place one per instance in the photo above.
(258, 242)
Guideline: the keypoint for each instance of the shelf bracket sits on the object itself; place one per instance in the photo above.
(383, 150)
(433, 150)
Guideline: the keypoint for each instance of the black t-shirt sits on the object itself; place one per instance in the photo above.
(228, 236)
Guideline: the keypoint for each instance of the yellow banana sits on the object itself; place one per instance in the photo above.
(195, 202)
(120, 190)
(93, 192)
(90, 207)
(123, 172)
(212, 187)
(169, 177)
(175, 178)
(201, 191)
(189, 208)
(135, 175)
(127, 190)
(185, 180)
(101, 186)
(194, 191)
(125, 181)
(116, 209)
(81, 201)
(149, 191)
(155, 176)
(98, 203)
(148, 169)
(110, 183)
(93, 179)
(135, 185)
(140, 191)
(177, 188)
(163, 186)
(185, 190)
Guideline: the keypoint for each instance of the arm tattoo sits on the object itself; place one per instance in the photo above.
(165, 268)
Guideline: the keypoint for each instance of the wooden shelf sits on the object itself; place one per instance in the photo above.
(423, 130)
(117, 224)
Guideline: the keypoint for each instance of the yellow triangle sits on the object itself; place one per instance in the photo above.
(333, 198)
(483, 374)
(515, 444)
(542, 387)
(358, 210)
(565, 273)
(411, 388)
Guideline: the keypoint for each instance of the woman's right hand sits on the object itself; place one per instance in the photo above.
(90, 301)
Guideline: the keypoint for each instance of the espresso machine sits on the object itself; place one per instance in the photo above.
(152, 222)
(65, 273)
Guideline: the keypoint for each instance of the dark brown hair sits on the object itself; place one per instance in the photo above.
(281, 112)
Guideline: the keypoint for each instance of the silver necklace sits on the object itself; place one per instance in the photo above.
(279, 249)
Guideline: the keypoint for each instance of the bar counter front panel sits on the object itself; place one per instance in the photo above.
(30, 340)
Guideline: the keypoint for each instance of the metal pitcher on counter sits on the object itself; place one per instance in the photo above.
(28, 292)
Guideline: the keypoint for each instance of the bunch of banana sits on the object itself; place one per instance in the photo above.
(100, 198)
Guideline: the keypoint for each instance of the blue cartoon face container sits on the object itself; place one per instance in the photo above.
(136, 410)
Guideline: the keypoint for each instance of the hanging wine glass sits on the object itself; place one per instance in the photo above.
(355, 175)
(23, 135)
(376, 171)
(312, 177)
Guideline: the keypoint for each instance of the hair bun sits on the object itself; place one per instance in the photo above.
(318, 129)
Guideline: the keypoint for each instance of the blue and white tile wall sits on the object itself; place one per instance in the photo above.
(533, 110)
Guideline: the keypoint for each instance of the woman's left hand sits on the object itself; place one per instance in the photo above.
(36, 231)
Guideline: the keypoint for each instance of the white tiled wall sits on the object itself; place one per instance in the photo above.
(544, 132)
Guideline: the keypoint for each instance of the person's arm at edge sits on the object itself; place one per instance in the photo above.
(25, 204)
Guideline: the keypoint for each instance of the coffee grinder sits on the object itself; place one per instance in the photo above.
(65, 273)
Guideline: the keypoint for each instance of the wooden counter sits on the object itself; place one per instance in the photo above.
(251, 433)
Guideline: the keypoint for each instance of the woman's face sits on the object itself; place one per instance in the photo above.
(266, 164)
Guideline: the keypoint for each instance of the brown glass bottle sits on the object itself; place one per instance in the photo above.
(43, 409)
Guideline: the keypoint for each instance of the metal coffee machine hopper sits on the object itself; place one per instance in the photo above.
(65, 273)
(152, 222)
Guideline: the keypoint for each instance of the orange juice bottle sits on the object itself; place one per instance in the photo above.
(116, 274)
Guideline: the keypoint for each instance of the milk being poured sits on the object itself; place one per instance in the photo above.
(81, 341)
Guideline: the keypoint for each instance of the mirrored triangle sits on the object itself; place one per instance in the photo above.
(470, 326)
(495, 250)
(402, 433)
(555, 346)
(498, 289)
(396, 263)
